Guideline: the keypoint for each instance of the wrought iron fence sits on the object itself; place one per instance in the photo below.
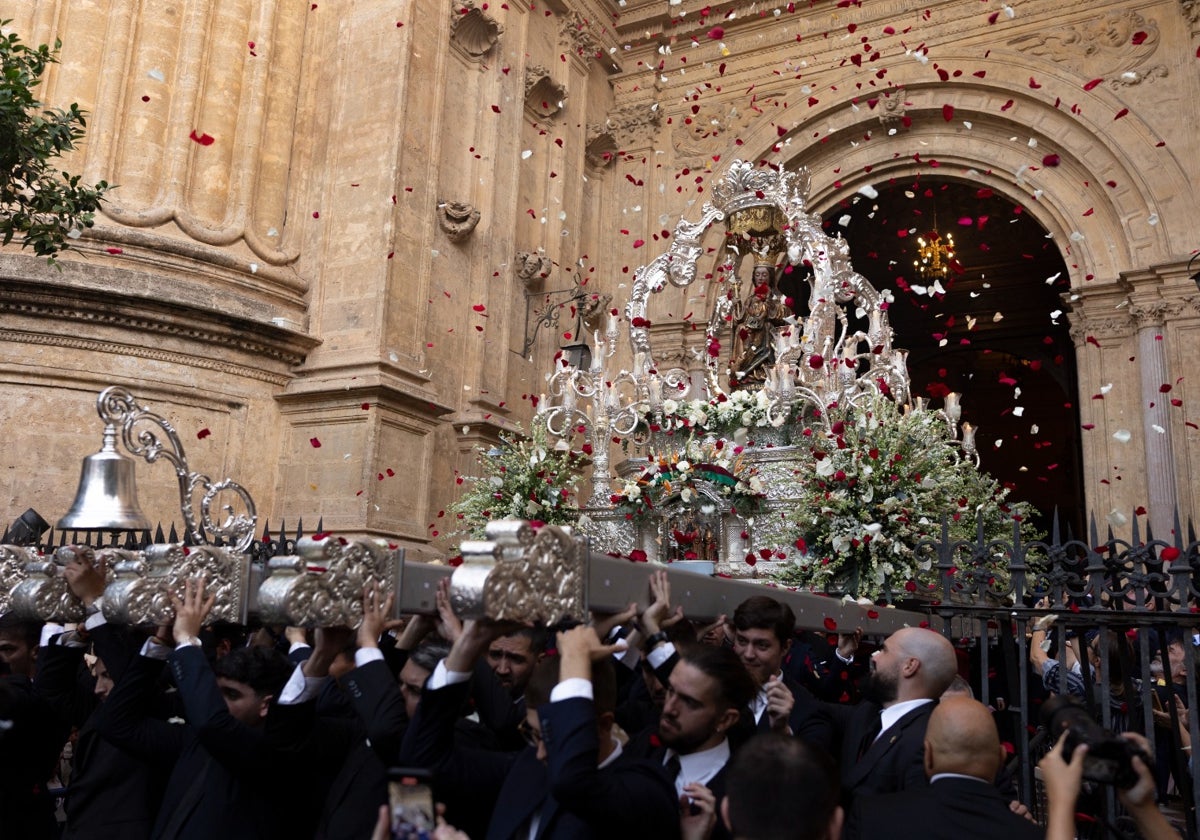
(1130, 600)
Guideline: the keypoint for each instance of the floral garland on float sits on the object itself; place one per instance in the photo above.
(521, 477)
(694, 477)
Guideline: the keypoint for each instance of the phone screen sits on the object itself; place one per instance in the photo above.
(410, 800)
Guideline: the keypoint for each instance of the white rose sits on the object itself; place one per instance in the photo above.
(670, 406)
(683, 466)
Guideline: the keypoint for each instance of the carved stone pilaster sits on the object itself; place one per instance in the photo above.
(1151, 313)
(473, 31)
(544, 97)
(457, 219)
(1083, 328)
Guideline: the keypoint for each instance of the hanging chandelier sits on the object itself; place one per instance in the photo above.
(935, 254)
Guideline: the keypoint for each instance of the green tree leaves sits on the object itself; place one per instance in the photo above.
(41, 206)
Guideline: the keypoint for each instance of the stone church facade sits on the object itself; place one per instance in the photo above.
(332, 219)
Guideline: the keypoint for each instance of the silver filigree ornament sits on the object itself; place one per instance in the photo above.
(522, 576)
(43, 593)
(322, 584)
(145, 581)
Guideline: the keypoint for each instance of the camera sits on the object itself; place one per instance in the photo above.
(1109, 759)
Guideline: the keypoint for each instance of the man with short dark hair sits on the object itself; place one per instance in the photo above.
(19, 645)
(708, 691)
(573, 781)
(224, 780)
(762, 637)
(962, 755)
(780, 788)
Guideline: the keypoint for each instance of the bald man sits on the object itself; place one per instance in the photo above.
(962, 754)
(883, 737)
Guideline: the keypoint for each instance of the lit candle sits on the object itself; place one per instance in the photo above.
(876, 323)
(598, 358)
(968, 440)
(786, 385)
(953, 409)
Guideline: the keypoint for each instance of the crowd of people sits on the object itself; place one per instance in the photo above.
(634, 726)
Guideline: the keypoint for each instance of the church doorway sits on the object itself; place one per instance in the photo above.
(985, 317)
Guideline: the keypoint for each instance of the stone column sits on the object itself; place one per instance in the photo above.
(1156, 426)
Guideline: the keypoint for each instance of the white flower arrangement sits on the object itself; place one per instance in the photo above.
(883, 481)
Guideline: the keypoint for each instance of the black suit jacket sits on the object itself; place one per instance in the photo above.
(573, 799)
(224, 780)
(809, 720)
(646, 744)
(949, 809)
(29, 749)
(895, 761)
(112, 792)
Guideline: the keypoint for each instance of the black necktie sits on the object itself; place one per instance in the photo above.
(672, 767)
(870, 736)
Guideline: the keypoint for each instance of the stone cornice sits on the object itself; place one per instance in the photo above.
(70, 313)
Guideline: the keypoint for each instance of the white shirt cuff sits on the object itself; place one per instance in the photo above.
(95, 620)
(841, 658)
(297, 646)
(660, 654)
(155, 650)
(571, 687)
(364, 655)
(442, 677)
(50, 629)
(301, 688)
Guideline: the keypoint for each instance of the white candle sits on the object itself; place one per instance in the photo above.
(655, 385)
(968, 439)
(953, 409)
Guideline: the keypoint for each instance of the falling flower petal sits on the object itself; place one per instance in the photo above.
(202, 139)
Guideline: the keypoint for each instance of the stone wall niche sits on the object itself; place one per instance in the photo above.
(544, 97)
(473, 31)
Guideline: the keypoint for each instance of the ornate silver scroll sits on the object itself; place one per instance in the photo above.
(522, 575)
(322, 584)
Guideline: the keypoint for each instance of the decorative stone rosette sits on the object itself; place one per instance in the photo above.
(322, 584)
